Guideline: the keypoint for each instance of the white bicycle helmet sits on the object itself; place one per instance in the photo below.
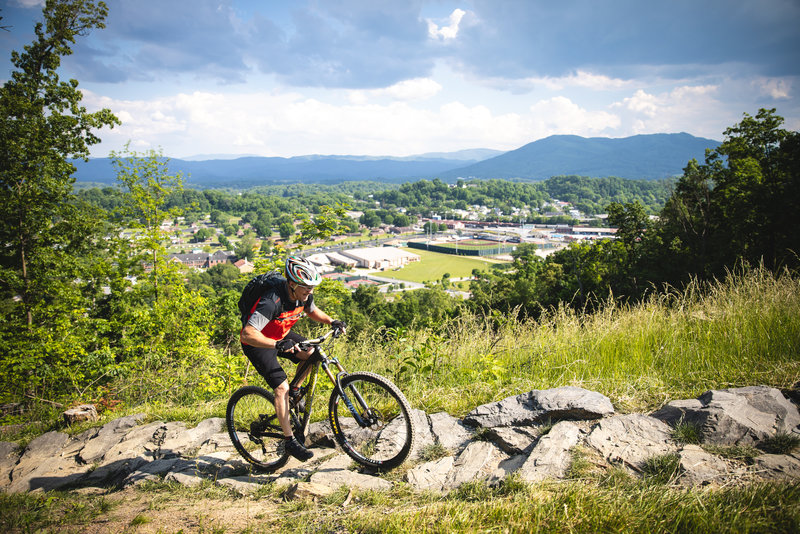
(301, 271)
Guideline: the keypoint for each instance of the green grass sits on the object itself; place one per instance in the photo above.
(624, 507)
(48, 512)
(434, 265)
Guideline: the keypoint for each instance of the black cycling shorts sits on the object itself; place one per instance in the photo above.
(266, 360)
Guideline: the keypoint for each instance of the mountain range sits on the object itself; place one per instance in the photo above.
(648, 157)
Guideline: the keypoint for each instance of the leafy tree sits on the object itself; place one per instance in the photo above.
(286, 230)
(743, 203)
(246, 247)
(42, 126)
(327, 222)
(52, 263)
(370, 219)
(219, 218)
(203, 234)
(148, 183)
(349, 225)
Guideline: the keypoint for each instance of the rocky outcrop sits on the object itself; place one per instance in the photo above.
(741, 416)
(537, 406)
(533, 435)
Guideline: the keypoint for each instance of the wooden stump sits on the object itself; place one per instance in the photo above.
(84, 412)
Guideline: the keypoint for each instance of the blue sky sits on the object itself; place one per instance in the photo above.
(375, 77)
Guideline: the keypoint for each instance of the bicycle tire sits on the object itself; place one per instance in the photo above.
(389, 437)
(254, 428)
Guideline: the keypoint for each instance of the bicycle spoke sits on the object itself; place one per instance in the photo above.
(383, 435)
(254, 429)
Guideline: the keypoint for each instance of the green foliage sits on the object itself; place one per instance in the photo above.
(737, 206)
(663, 469)
(780, 443)
(51, 264)
(24, 512)
(685, 432)
(147, 182)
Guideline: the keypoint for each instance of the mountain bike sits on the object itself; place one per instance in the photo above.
(369, 416)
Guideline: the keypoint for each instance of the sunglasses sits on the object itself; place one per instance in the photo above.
(304, 288)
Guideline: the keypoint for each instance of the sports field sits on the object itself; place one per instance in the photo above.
(434, 264)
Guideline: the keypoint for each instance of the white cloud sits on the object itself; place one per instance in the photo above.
(671, 111)
(288, 124)
(448, 32)
(28, 3)
(559, 115)
(579, 79)
(777, 88)
(407, 90)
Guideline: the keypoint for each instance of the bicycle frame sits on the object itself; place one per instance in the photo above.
(322, 359)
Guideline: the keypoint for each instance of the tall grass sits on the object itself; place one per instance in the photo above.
(744, 330)
(629, 507)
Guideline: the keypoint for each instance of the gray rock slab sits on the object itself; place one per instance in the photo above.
(77, 443)
(341, 477)
(109, 435)
(449, 432)
(737, 416)
(40, 453)
(507, 467)
(138, 442)
(189, 479)
(294, 475)
(113, 473)
(423, 436)
(42, 466)
(631, 439)
(156, 469)
(9, 456)
(540, 405)
(242, 485)
(54, 474)
(551, 456)
(336, 462)
(699, 467)
(515, 439)
(307, 490)
(218, 442)
(771, 400)
(180, 440)
(477, 462)
(431, 475)
(319, 434)
(777, 466)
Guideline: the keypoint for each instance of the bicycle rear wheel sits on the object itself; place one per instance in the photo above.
(384, 436)
(254, 428)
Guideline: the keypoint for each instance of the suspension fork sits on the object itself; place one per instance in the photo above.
(337, 381)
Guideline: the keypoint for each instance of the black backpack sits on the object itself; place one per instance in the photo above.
(256, 288)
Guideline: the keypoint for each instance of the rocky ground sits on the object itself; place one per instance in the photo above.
(535, 435)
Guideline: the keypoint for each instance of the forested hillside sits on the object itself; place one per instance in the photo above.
(641, 157)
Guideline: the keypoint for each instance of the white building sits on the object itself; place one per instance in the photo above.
(381, 258)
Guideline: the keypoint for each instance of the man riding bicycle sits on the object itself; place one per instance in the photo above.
(266, 334)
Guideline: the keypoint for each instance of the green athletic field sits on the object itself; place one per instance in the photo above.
(433, 265)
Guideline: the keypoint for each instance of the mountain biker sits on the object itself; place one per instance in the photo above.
(266, 334)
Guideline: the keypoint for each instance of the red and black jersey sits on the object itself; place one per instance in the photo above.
(275, 313)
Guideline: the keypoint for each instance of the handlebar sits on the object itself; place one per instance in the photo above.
(308, 343)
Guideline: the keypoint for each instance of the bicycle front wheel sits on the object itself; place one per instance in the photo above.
(372, 422)
(254, 428)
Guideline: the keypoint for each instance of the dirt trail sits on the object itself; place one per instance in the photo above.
(144, 512)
